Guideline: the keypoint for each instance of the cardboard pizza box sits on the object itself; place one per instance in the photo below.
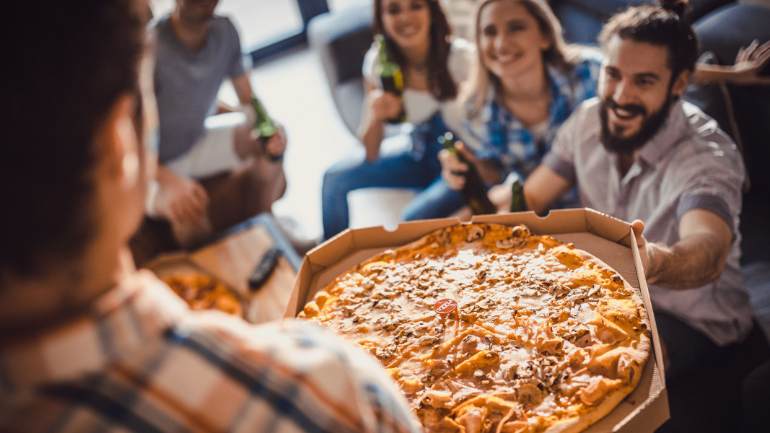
(606, 237)
(231, 259)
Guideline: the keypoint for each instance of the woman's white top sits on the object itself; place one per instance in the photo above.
(421, 104)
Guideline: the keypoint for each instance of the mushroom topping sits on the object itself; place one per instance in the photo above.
(411, 385)
(529, 393)
(474, 233)
(504, 244)
(472, 419)
(436, 398)
(551, 346)
(469, 344)
(580, 336)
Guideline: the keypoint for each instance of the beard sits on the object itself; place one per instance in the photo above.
(612, 140)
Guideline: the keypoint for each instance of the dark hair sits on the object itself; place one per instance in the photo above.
(440, 81)
(69, 70)
(666, 25)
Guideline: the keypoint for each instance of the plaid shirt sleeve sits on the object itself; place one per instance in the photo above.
(301, 378)
(142, 362)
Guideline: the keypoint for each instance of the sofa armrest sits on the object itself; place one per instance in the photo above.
(341, 39)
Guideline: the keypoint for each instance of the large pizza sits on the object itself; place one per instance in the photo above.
(489, 328)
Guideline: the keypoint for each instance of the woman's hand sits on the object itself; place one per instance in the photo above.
(452, 169)
(750, 62)
(384, 105)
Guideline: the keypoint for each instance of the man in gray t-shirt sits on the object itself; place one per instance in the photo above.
(213, 172)
(639, 153)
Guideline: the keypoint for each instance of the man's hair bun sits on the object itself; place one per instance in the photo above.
(678, 7)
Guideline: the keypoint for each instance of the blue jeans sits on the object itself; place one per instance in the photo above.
(402, 170)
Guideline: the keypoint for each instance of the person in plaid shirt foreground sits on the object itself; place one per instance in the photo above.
(87, 343)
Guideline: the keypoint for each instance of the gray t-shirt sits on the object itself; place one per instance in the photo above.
(187, 82)
(689, 164)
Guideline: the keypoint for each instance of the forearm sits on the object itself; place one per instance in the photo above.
(243, 90)
(534, 203)
(707, 74)
(690, 263)
(543, 187)
(223, 107)
(163, 174)
(372, 132)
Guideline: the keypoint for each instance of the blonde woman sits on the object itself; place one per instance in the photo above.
(526, 83)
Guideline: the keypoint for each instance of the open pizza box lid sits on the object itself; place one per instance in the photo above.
(606, 237)
(231, 260)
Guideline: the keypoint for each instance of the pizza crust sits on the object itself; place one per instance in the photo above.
(488, 328)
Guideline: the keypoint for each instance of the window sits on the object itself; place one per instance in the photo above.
(266, 26)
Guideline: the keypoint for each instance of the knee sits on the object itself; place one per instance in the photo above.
(337, 179)
(433, 204)
(418, 210)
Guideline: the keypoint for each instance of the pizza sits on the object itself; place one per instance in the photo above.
(203, 292)
(489, 328)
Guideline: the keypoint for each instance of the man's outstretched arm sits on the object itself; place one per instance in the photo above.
(697, 259)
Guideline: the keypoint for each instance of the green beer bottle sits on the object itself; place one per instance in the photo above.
(474, 192)
(518, 202)
(264, 126)
(391, 76)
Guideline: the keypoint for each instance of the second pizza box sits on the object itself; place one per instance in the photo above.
(608, 238)
(232, 258)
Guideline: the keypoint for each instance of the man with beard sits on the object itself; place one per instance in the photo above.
(89, 344)
(639, 152)
(213, 172)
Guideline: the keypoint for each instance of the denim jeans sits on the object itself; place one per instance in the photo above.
(417, 168)
(401, 170)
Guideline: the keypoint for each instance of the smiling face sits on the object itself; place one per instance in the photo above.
(636, 90)
(196, 12)
(510, 40)
(406, 22)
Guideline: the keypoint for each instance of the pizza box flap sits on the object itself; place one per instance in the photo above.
(566, 221)
(557, 221)
(230, 259)
(608, 238)
(233, 258)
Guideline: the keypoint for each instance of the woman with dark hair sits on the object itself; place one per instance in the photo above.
(418, 38)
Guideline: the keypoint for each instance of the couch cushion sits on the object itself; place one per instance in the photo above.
(349, 99)
(342, 38)
(604, 9)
